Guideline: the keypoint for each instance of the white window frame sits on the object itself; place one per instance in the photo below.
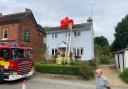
(54, 35)
(54, 50)
(75, 51)
(77, 33)
(5, 29)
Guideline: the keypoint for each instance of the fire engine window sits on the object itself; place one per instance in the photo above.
(5, 53)
(21, 54)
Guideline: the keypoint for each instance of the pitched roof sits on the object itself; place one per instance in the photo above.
(121, 51)
(40, 28)
(63, 44)
(14, 17)
(82, 26)
(17, 17)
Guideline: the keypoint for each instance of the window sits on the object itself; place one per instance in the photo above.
(54, 51)
(82, 51)
(5, 53)
(78, 51)
(5, 32)
(54, 35)
(27, 36)
(77, 33)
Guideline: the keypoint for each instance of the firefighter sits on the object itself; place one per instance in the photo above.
(68, 59)
(59, 59)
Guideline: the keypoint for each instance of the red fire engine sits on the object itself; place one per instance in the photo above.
(15, 62)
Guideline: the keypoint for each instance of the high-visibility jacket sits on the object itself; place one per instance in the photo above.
(59, 59)
(68, 60)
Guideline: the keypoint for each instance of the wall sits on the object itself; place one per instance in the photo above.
(121, 62)
(85, 41)
(13, 31)
(126, 58)
(37, 38)
(116, 61)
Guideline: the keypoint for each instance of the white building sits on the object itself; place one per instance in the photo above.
(121, 59)
(82, 44)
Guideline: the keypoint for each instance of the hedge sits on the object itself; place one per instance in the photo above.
(124, 75)
(84, 71)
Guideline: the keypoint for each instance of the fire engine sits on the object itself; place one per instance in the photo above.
(15, 62)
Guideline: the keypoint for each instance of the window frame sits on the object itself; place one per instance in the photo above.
(77, 33)
(54, 35)
(25, 36)
(4, 30)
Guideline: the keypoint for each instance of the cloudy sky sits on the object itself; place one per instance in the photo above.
(106, 13)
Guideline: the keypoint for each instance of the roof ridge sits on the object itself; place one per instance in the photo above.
(13, 14)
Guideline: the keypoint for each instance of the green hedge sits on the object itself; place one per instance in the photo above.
(85, 71)
(124, 75)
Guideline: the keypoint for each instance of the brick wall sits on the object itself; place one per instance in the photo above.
(37, 38)
(16, 33)
(13, 30)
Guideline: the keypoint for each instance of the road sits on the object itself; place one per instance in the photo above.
(46, 83)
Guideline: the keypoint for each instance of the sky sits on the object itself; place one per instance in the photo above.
(105, 13)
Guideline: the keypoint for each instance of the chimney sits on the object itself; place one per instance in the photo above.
(1, 15)
(28, 10)
(90, 20)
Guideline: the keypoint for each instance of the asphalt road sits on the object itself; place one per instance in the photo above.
(45, 83)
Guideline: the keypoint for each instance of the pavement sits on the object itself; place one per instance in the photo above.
(34, 82)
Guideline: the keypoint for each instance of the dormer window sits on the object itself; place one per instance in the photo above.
(5, 33)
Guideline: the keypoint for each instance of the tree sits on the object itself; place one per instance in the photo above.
(102, 50)
(101, 41)
(121, 35)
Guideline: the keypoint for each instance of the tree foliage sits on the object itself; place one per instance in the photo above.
(121, 35)
(101, 41)
(102, 51)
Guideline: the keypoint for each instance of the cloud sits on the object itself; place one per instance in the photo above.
(106, 13)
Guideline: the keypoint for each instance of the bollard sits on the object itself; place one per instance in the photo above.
(24, 84)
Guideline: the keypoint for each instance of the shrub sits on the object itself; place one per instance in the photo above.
(82, 70)
(104, 60)
(57, 69)
(79, 63)
(86, 72)
(42, 62)
(92, 63)
(124, 75)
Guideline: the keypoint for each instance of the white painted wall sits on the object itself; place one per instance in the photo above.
(121, 62)
(126, 58)
(85, 40)
(116, 61)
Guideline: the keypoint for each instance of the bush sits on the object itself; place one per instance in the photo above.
(57, 69)
(124, 75)
(79, 63)
(104, 60)
(84, 71)
(92, 63)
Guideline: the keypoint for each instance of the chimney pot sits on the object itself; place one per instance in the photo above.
(28, 10)
(90, 20)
